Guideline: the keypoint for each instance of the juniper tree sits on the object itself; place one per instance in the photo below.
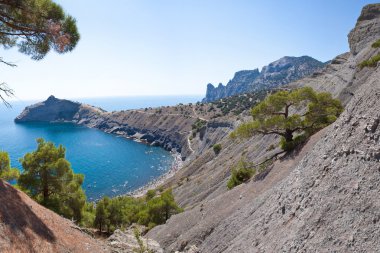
(49, 179)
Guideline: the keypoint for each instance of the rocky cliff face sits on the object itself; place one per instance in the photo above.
(280, 72)
(168, 127)
(322, 198)
(52, 109)
(169, 130)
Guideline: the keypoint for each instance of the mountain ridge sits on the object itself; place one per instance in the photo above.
(275, 74)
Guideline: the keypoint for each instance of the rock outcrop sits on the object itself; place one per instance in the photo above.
(126, 242)
(323, 198)
(51, 110)
(280, 72)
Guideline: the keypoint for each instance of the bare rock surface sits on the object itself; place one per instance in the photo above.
(126, 242)
(277, 73)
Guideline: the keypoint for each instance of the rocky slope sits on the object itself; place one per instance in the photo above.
(280, 72)
(25, 226)
(322, 198)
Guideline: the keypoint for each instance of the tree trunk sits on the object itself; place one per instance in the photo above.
(45, 187)
(288, 135)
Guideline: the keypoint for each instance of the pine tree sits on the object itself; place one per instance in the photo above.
(287, 113)
(6, 172)
(102, 214)
(35, 27)
(49, 179)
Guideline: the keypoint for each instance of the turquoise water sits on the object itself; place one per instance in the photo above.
(112, 165)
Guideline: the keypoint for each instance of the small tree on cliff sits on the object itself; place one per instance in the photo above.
(35, 27)
(49, 179)
(291, 113)
(6, 172)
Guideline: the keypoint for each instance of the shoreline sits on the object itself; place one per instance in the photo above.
(177, 164)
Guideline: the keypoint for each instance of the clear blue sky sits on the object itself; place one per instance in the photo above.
(172, 47)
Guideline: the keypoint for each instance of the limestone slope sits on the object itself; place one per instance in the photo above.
(323, 199)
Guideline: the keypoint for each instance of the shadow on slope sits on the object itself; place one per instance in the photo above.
(19, 219)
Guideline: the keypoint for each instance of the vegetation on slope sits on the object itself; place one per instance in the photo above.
(275, 115)
(6, 172)
(123, 211)
(49, 179)
(293, 115)
(372, 62)
(244, 170)
(239, 103)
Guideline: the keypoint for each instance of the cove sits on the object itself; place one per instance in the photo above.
(111, 165)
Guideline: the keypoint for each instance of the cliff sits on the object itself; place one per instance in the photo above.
(321, 198)
(171, 127)
(280, 72)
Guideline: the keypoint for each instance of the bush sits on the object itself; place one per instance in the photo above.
(241, 173)
(198, 125)
(372, 62)
(122, 211)
(217, 148)
(376, 44)
(289, 146)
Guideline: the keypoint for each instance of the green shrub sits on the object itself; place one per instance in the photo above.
(376, 44)
(372, 62)
(291, 145)
(150, 194)
(241, 173)
(198, 124)
(122, 211)
(217, 148)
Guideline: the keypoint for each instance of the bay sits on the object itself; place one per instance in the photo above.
(112, 165)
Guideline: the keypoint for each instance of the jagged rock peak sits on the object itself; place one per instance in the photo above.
(370, 11)
(367, 28)
(280, 72)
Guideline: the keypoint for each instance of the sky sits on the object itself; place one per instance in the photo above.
(176, 47)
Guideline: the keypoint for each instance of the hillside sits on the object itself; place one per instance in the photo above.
(322, 198)
(25, 226)
(277, 73)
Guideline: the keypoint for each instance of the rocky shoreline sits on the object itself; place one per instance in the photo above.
(155, 183)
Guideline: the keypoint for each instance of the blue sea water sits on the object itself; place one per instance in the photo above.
(112, 165)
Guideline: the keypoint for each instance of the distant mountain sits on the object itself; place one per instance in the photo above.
(280, 72)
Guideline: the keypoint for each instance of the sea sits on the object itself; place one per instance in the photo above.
(112, 165)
